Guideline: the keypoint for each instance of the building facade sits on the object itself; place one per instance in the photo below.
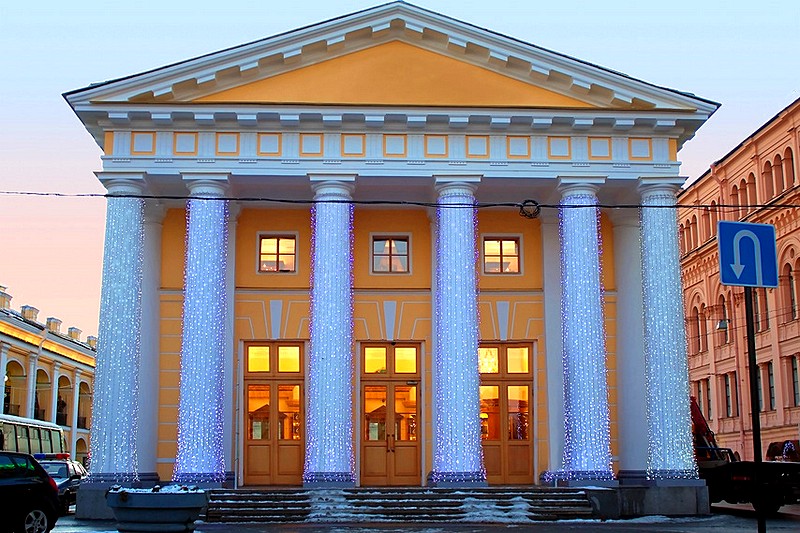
(756, 182)
(315, 260)
(47, 375)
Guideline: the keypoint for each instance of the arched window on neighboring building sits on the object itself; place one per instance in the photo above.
(694, 331)
(703, 328)
(714, 212)
(789, 294)
(752, 193)
(695, 232)
(788, 167)
(766, 179)
(724, 325)
(777, 171)
(735, 202)
(744, 201)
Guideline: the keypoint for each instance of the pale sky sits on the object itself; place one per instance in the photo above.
(741, 54)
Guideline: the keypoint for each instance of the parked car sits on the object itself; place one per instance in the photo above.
(67, 474)
(28, 495)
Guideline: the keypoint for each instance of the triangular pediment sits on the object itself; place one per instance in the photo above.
(395, 73)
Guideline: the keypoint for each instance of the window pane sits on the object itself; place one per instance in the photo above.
(488, 360)
(400, 246)
(380, 246)
(405, 411)
(400, 264)
(269, 245)
(289, 412)
(269, 263)
(511, 264)
(405, 360)
(380, 264)
(375, 360)
(510, 247)
(490, 412)
(286, 245)
(287, 263)
(375, 413)
(518, 412)
(288, 359)
(491, 247)
(258, 412)
(258, 358)
(517, 360)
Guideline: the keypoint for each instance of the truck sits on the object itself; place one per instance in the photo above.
(732, 480)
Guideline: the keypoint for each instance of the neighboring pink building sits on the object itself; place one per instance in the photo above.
(756, 182)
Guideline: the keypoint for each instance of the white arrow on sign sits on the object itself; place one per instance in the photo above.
(737, 266)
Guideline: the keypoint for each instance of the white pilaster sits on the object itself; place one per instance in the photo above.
(457, 456)
(147, 436)
(587, 441)
(33, 357)
(670, 447)
(115, 399)
(54, 391)
(329, 424)
(3, 363)
(73, 422)
(200, 456)
(551, 247)
(631, 405)
(229, 370)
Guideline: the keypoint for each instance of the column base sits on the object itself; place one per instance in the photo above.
(578, 478)
(681, 477)
(632, 477)
(329, 480)
(206, 480)
(457, 479)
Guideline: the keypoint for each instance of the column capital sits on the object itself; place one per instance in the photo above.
(451, 184)
(334, 186)
(206, 184)
(574, 185)
(655, 185)
(32, 357)
(122, 183)
(4, 348)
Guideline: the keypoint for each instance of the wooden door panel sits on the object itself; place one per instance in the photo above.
(374, 461)
(406, 460)
(290, 460)
(519, 459)
(492, 459)
(258, 459)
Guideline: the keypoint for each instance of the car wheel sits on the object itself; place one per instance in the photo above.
(36, 521)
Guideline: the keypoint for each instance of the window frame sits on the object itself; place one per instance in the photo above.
(261, 235)
(501, 237)
(391, 236)
(273, 371)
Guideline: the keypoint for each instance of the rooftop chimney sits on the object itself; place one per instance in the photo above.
(74, 334)
(53, 324)
(92, 342)
(5, 298)
(29, 312)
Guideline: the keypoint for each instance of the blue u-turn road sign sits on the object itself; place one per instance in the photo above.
(747, 254)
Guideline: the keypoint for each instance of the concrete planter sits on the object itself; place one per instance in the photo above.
(140, 511)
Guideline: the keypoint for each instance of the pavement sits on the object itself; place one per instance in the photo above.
(724, 518)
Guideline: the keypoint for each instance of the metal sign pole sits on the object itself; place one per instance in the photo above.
(754, 406)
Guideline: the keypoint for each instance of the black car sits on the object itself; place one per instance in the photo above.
(67, 474)
(28, 495)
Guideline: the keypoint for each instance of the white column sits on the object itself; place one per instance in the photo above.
(587, 441)
(54, 391)
(670, 451)
(33, 357)
(457, 455)
(329, 424)
(147, 436)
(229, 369)
(200, 456)
(3, 363)
(551, 248)
(631, 409)
(76, 396)
(115, 399)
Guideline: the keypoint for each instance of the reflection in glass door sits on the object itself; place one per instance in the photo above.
(505, 413)
(390, 453)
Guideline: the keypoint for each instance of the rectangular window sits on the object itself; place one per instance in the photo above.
(796, 382)
(760, 387)
(728, 396)
(771, 385)
(500, 255)
(277, 253)
(708, 399)
(390, 254)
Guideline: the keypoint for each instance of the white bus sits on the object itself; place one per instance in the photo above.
(31, 436)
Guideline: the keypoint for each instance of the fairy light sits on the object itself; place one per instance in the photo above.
(458, 456)
(329, 456)
(587, 449)
(200, 457)
(114, 414)
(670, 448)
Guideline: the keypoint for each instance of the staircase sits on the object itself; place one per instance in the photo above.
(406, 504)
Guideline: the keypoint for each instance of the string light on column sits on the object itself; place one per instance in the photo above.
(670, 447)
(587, 448)
(200, 456)
(114, 414)
(458, 455)
(329, 456)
